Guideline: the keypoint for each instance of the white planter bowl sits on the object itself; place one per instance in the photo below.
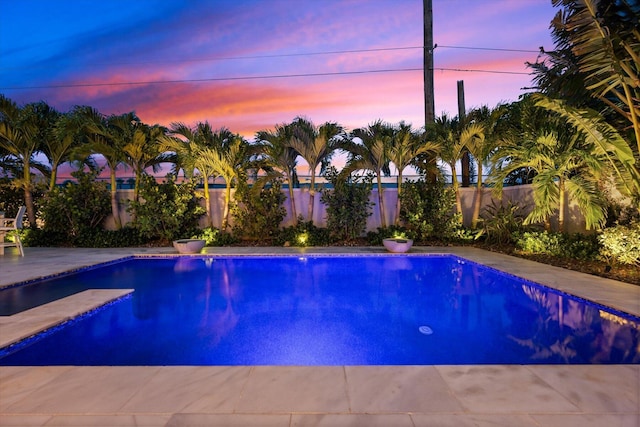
(189, 246)
(397, 245)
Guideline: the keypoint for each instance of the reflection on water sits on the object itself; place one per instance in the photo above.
(330, 311)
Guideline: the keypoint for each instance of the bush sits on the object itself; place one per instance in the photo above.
(500, 222)
(215, 237)
(303, 234)
(427, 210)
(166, 211)
(348, 205)
(375, 238)
(575, 246)
(72, 213)
(621, 244)
(258, 210)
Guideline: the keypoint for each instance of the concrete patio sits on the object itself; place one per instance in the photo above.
(483, 395)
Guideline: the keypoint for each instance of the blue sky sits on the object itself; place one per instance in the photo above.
(250, 64)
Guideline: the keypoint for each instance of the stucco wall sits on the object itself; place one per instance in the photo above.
(518, 194)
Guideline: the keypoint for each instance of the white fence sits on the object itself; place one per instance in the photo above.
(520, 195)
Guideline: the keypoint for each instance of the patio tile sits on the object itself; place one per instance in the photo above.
(351, 420)
(596, 388)
(82, 389)
(228, 420)
(277, 389)
(23, 420)
(108, 421)
(399, 389)
(503, 389)
(588, 420)
(17, 382)
(190, 389)
(473, 420)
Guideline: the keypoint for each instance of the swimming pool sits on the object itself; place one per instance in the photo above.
(326, 310)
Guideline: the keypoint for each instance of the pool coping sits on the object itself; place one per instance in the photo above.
(524, 395)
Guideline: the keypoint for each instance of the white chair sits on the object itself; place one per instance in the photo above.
(12, 226)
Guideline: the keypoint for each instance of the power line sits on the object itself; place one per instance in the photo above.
(274, 76)
(291, 55)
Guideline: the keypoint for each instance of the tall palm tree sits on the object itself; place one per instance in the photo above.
(445, 133)
(404, 147)
(275, 145)
(480, 137)
(315, 145)
(21, 133)
(66, 137)
(566, 165)
(142, 150)
(226, 159)
(99, 135)
(371, 154)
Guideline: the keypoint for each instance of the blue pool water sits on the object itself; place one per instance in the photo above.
(321, 310)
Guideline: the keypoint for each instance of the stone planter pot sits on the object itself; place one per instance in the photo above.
(397, 245)
(189, 246)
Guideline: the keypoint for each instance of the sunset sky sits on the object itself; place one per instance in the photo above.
(250, 64)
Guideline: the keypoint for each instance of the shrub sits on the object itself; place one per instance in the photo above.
(303, 234)
(576, 246)
(215, 237)
(348, 205)
(258, 210)
(500, 222)
(427, 210)
(375, 238)
(166, 211)
(621, 244)
(72, 213)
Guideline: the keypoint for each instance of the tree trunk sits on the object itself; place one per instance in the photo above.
(383, 217)
(312, 192)
(291, 199)
(115, 206)
(207, 201)
(28, 196)
(397, 220)
(227, 201)
(478, 199)
(561, 205)
(456, 189)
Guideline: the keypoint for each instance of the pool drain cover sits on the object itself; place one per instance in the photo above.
(425, 330)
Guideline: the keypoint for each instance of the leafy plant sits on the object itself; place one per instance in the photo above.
(215, 237)
(500, 221)
(166, 211)
(375, 238)
(258, 210)
(621, 244)
(305, 233)
(427, 210)
(576, 246)
(74, 211)
(348, 205)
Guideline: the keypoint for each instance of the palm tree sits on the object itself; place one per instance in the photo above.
(315, 146)
(371, 154)
(566, 165)
(445, 133)
(142, 150)
(227, 158)
(21, 134)
(101, 136)
(276, 147)
(481, 137)
(66, 137)
(404, 147)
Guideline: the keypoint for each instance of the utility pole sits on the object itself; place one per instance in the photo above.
(429, 103)
(465, 161)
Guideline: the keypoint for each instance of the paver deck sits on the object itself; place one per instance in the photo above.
(483, 395)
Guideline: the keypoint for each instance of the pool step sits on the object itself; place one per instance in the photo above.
(30, 322)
